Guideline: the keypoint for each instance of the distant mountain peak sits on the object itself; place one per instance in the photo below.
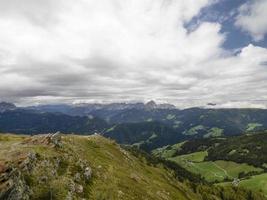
(4, 106)
(151, 105)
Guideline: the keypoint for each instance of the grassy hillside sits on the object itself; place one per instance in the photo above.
(223, 159)
(256, 183)
(92, 167)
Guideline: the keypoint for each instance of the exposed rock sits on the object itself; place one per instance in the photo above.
(120, 194)
(32, 156)
(78, 188)
(135, 177)
(163, 195)
(29, 163)
(72, 186)
(56, 139)
(151, 105)
(77, 177)
(54, 173)
(14, 187)
(87, 173)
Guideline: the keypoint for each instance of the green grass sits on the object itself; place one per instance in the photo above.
(193, 157)
(255, 183)
(212, 171)
(167, 151)
(214, 132)
(170, 117)
(111, 129)
(117, 174)
(258, 182)
(253, 126)
(194, 130)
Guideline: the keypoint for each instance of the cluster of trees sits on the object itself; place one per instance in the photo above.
(251, 149)
(247, 148)
(31, 122)
(225, 193)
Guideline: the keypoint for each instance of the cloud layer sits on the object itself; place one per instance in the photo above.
(122, 50)
(252, 18)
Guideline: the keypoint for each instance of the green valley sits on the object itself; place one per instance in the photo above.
(238, 161)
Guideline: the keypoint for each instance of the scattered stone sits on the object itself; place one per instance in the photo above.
(54, 173)
(120, 193)
(236, 182)
(32, 156)
(77, 177)
(87, 173)
(72, 186)
(79, 188)
(135, 177)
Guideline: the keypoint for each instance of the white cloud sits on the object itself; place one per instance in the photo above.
(119, 50)
(252, 18)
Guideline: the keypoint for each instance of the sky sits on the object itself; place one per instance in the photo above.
(188, 53)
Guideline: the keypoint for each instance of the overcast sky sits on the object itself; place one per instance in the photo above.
(188, 53)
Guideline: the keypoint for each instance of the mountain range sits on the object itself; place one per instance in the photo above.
(132, 151)
(147, 125)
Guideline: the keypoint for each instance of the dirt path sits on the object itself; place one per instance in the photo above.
(225, 172)
(214, 173)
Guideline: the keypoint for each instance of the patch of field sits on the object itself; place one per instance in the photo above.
(258, 182)
(193, 157)
(170, 117)
(167, 151)
(214, 132)
(253, 126)
(213, 171)
(194, 130)
(255, 183)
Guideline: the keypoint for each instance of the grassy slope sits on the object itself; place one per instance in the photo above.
(256, 183)
(116, 173)
(167, 151)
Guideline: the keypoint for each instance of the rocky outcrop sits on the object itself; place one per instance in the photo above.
(87, 173)
(56, 139)
(13, 186)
